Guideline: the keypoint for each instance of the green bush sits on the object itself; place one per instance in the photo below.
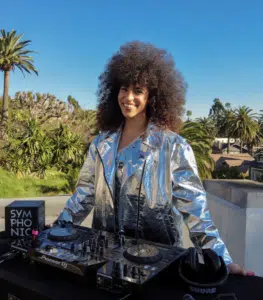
(32, 150)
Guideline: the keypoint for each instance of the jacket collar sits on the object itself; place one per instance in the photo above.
(108, 148)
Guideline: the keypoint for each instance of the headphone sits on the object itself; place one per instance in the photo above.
(202, 277)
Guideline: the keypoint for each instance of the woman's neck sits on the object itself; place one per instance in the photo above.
(132, 129)
(135, 126)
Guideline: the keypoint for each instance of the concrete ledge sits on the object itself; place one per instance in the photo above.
(243, 193)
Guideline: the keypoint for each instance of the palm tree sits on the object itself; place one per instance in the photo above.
(244, 125)
(228, 122)
(208, 125)
(257, 140)
(201, 142)
(13, 55)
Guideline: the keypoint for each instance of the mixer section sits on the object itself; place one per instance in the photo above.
(119, 262)
(134, 264)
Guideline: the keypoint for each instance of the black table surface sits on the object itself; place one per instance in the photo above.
(27, 281)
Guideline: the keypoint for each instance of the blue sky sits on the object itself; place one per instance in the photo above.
(217, 45)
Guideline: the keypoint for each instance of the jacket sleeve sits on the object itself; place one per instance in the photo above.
(189, 197)
(80, 204)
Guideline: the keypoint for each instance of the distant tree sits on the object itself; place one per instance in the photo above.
(228, 105)
(228, 129)
(208, 125)
(73, 105)
(43, 107)
(260, 119)
(257, 140)
(227, 124)
(217, 114)
(13, 54)
(50, 112)
(244, 125)
(189, 114)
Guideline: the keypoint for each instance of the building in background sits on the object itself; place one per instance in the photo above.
(256, 167)
(241, 161)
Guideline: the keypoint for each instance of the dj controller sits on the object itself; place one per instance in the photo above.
(118, 263)
(114, 262)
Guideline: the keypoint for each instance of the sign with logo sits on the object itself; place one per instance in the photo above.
(46, 259)
(23, 216)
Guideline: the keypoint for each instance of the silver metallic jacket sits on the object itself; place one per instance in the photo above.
(161, 188)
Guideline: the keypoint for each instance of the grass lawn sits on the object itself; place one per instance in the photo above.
(11, 186)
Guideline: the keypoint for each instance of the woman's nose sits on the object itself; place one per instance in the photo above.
(130, 95)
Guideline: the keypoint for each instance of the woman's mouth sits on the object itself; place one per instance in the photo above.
(128, 106)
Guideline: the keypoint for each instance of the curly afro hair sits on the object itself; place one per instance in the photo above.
(144, 64)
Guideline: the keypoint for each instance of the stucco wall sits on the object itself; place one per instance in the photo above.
(237, 210)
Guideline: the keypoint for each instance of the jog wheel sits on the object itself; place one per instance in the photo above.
(143, 254)
(67, 233)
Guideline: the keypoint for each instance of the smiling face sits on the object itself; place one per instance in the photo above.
(133, 100)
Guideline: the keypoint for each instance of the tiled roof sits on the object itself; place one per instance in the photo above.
(237, 156)
(234, 162)
(241, 160)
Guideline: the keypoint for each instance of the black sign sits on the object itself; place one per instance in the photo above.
(23, 216)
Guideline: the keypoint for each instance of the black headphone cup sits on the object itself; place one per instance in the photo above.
(223, 271)
(204, 277)
(212, 261)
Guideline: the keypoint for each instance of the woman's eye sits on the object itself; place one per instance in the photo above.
(138, 91)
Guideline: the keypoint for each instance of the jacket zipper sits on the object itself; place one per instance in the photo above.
(138, 206)
(114, 225)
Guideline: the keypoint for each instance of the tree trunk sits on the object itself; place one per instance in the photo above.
(228, 145)
(5, 97)
(241, 146)
(251, 148)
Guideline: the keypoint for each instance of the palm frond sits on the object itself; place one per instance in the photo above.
(200, 141)
(13, 53)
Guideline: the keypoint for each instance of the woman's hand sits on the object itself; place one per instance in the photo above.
(238, 270)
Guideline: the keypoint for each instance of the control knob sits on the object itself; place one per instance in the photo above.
(80, 247)
(125, 269)
(133, 272)
(106, 243)
(116, 268)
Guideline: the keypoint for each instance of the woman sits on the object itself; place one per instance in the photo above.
(139, 175)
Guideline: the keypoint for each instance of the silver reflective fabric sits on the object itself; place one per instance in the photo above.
(160, 190)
